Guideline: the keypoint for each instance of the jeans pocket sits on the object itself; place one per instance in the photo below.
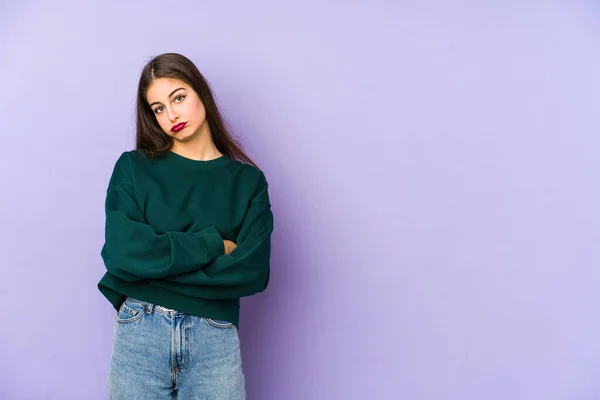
(217, 323)
(130, 311)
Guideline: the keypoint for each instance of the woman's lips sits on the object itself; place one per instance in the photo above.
(178, 127)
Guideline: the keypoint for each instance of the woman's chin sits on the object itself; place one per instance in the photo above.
(183, 135)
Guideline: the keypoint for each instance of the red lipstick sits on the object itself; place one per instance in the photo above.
(178, 127)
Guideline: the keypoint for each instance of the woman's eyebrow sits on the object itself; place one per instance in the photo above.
(172, 93)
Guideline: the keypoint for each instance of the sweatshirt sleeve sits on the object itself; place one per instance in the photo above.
(243, 272)
(134, 251)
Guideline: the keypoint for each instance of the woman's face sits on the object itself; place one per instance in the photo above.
(173, 102)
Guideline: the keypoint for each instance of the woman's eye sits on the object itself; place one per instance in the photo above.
(157, 110)
(180, 97)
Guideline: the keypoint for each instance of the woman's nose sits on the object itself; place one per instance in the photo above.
(173, 116)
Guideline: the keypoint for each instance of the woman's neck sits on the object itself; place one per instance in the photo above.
(201, 147)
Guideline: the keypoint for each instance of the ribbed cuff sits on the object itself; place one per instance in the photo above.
(213, 242)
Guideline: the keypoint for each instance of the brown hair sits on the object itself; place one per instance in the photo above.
(150, 138)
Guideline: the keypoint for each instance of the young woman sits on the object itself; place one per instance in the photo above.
(188, 233)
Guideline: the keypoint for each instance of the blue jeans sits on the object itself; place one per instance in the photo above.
(164, 354)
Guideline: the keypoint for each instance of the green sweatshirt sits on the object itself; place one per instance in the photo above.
(166, 219)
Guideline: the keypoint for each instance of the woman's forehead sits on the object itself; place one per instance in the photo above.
(163, 88)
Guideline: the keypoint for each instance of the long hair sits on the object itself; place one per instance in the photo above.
(150, 138)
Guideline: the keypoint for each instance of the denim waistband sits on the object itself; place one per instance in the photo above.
(149, 306)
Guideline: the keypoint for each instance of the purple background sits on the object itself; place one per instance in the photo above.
(434, 173)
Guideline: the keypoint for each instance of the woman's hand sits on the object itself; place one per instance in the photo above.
(229, 246)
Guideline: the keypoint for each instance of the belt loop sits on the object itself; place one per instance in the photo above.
(149, 308)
